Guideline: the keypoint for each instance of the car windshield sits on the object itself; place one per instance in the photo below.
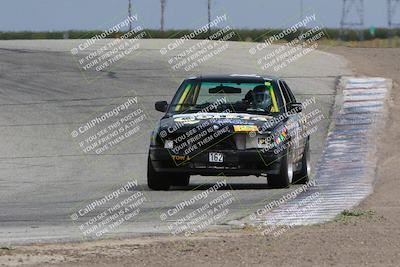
(202, 96)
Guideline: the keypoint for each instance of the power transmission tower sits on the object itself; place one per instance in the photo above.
(351, 20)
(163, 4)
(392, 8)
(130, 14)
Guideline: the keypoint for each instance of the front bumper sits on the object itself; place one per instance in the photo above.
(236, 162)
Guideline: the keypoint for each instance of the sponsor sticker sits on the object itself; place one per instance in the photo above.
(245, 128)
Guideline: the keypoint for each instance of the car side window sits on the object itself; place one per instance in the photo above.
(285, 93)
(293, 99)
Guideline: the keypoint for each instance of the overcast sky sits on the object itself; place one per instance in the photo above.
(51, 15)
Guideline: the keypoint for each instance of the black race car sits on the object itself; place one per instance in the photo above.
(231, 125)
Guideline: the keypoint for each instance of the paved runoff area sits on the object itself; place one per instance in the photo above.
(47, 181)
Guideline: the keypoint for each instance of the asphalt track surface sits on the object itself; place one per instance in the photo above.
(45, 177)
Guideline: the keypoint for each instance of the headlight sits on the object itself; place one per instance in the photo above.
(258, 141)
(169, 144)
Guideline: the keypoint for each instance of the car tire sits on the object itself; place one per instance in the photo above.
(285, 176)
(179, 180)
(303, 175)
(156, 180)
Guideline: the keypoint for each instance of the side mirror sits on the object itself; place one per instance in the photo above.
(295, 107)
(161, 106)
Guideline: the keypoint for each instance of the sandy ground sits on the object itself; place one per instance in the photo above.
(372, 239)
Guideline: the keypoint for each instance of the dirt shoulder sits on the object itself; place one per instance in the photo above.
(372, 238)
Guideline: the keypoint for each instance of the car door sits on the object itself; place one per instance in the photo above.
(295, 121)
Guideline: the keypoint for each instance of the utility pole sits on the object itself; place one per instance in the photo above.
(301, 14)
(130, 14)
(349, 21)
(301, 9)
(163, 4)
(209, 16)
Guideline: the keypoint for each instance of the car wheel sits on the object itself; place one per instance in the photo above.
(285, 176)
(156, 180)
(303, 175)
(179, 180)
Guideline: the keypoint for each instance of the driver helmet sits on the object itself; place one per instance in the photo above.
(262, 98)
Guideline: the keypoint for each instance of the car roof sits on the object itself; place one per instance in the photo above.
(234, 78)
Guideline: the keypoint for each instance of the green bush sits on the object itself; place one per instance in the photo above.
(256, 35)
